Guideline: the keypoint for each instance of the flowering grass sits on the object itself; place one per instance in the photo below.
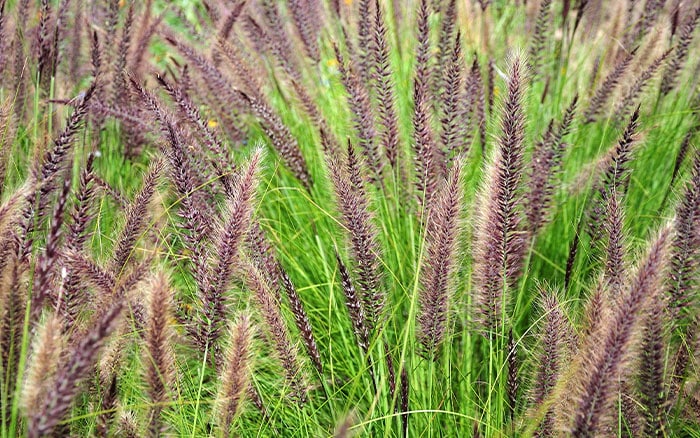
(368, 218)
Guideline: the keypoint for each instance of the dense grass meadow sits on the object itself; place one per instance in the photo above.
(317, 218)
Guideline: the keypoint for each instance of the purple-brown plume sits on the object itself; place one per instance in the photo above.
(159, 358)
(551, 356)
(363, 117)
(354, 305)
(637, 87)
(604, 364)
(354, 205)
(499, 239)
(277, 330)
(235, 377)
(546, 165)
(302, 321)
(66, 384)
(384, 87)
(428, 162)
(680, 53)
(439, 261)
(605, 90)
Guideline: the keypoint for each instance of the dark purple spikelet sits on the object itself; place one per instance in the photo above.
(474, 110)
(184, 82)
(682, 153)
(675, 64)
(615, 175)
(650, 13)
(229, 240)
(55, 158)
(119, 86)
(429, 165)
(148, 29)
(76, 41)
(263, 255)
(675, 17)
(595, 309)
(513, 378)
(241, 67)
(439, 260)
(4, 39)
(96, 65)
(384, 87)
(111, 21)
(9, 131)
(193, 210)
(445, 47)
(627, 415)
(364, 39)
(70, 373)
(213, 10)
(89, 272)
(302, 321)
(615, 271)
(223, 167)
(680, 53)
(307, 103)
(159, 359)
(363, 116)
(80, 212)
(603, 365)
(484, 4)
(329, 143)
(254, 396)
(19, 72)
(499, 238)
(354, 203)
(146, 18)
(136, 217)
(259, 39)
(606, 88)
(129, 280)
(274, 322)
(546, 166)
(212, 76)
(45, 66)
(354, 305)
(651, 380)
(235, 377)
(453, 134)
(551, 357)
(637, 87)
(391, 373)
(15, 300)
(282, 140)
(45, 265)
(490, 83)
(685, 253)
(404, 395)
(303, 17)
(226, 26)
(275, 39)
(539, 38)
(110, 191)
(595, 71)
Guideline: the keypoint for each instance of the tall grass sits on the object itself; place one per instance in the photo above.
(369, 218)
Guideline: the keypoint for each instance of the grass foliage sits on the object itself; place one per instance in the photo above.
(349, 218)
